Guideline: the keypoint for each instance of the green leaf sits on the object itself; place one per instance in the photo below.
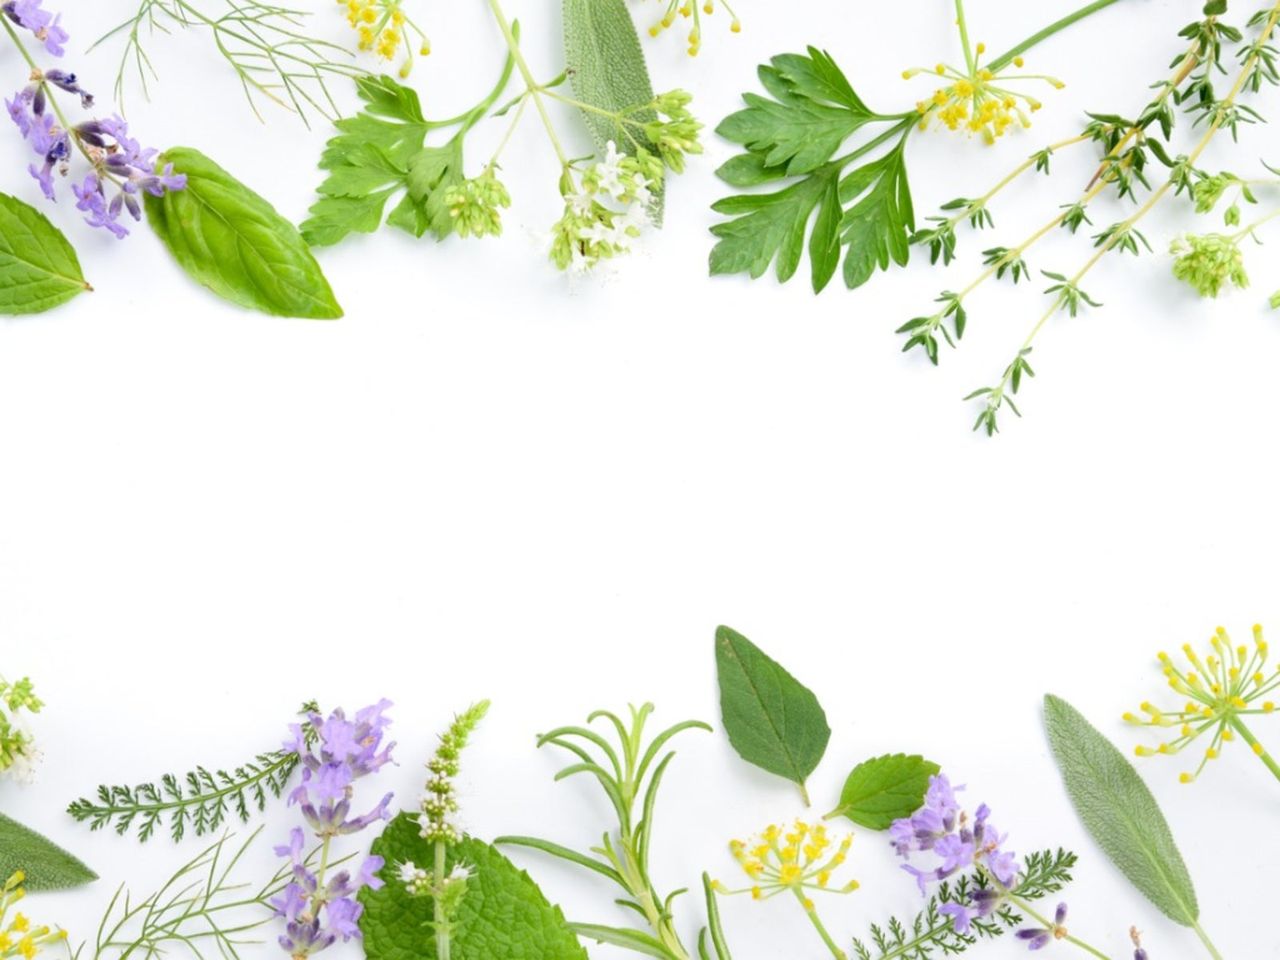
(232, 241)
(771, 227)
(38, 266)
(885, 789)
(607, 71)
(877, 229)
(772, 720)
(46, 865)
(503, 914)
(1120, 812)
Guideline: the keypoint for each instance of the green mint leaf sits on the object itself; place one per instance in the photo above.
(877, 229)
(231, 240)
(885, 789)
(772, 720)
(813, 111)
(376, 155)
(607, 71)
(503, 913)
(46, 865)
(1120, 812)
(38, 266)
(769, 227)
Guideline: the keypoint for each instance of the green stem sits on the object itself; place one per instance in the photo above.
(1255, 225)
(535, 91)
(1204, 938)
(817, 925)
(1247, 735)
(1007, 57)
(1030, 911)
(440, 921)
(964, 37)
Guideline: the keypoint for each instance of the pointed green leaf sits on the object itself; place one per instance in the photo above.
(1119, 811)
(38, 266)
(772, 720)
(885, 789)
(46, 865)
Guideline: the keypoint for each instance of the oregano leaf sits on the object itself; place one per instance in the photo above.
(231, 240)
(772, 720)
(503, 914)
(46, 865)
(1119, 812)
(39, 269)
(880, 791)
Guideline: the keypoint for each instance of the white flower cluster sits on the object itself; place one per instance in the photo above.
(605, 209)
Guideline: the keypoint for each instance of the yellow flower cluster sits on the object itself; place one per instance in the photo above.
(1223, 687)
(693, 9)
(383, 28)
(798, 858)
(977, 99)
(17, 937)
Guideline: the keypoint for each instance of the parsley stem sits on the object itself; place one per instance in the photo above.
(532, 87)
(1247, 735)
(904, 127)
(1058, 25)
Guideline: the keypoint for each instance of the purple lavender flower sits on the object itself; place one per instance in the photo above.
(333, 752)
(1040, 937)
(943, 830)
(30, 15)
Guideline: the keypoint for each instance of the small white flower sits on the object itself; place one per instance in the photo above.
(609, 172)
(641, 192)
(408, 872)
(597, 232)
(460, 871)
(25, 764)
(580, 262)
(636, 215)
(582, 201)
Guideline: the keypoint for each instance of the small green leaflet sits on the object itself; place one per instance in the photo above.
(607, 70)
(378, 154)
(1120, 812)
(797, 132)
(503, 914)
(231, 240)
(38, 266)
(772, 720)
(885, 789)
(46, 865)
(713, 932)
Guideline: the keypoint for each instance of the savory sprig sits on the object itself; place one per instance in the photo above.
(266, 45)
(201, 801)
(630, 775)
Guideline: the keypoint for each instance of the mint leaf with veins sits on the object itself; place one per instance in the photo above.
(504, 914)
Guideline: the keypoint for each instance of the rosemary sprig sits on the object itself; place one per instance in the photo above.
(264, 44)
(202, 800)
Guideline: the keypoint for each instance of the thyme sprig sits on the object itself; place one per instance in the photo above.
(203, 800)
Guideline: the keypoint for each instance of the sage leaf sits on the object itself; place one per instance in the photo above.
(38, 266)
(232, 241)
(607, 71)
(772, 720)
(46, 865)
(885, 789)
(503, 914)
(1119, 811)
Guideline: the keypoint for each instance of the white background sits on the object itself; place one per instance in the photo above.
(487, 481)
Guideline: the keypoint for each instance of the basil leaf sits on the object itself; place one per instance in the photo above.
(38, 266)
(503, 913)
(1120, 812)
(46, 865)
(232, 241)
(607, 70)
(772, 720)
(885, 789)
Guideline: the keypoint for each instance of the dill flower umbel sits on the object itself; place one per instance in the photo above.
(18, 938)
(693, 10)
(977, 98)
(383, 28)
(800, 859)
(1227, 685)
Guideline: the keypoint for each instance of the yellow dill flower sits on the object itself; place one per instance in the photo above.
(692, 9)
(977, 98)
(18, 938)
(1221, 689)
(382, 27)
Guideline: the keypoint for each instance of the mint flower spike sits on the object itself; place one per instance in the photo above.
(19, 755)
(445, 887)
(1221, 689)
